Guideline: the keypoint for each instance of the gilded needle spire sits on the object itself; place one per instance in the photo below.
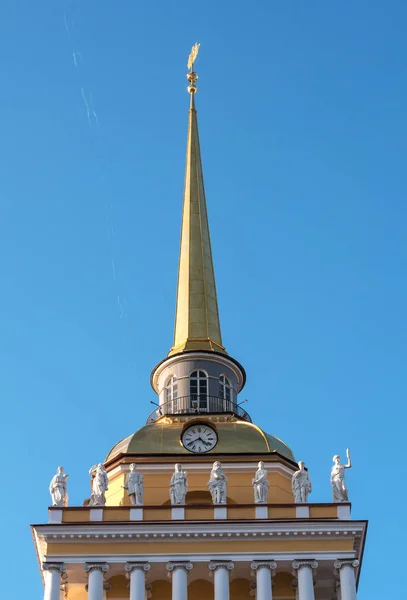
(197, 325)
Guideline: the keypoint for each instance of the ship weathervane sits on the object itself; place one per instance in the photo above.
(193, 55)
(192, 76)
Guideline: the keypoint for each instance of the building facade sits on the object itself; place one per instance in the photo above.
(176, 525)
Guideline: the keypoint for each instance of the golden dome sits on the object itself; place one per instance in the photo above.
(234, 437)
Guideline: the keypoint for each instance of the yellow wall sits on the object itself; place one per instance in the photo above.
(323, 512)
(76, 591)
(239, 489)
(197, 512)
(210, 547)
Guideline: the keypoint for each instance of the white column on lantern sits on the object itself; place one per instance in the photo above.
(265, 570)
(136, 572)
(347, 578)
(53, 572)
(221, 578)
(179, 573)
(304, 571)
(95, 573)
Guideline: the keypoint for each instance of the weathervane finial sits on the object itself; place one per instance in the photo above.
(192, 76)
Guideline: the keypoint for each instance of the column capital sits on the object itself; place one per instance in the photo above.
(310, 564)
(54, 566)
(103, 567)
(258, 564)
(187, 565)
(131, 566)
(226, 564)
(350, 562)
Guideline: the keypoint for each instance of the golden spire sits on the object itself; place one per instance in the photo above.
(197, 325)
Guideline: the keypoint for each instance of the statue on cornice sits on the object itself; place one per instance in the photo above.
(217, 484)
(301, 484)
(260, 485)
(134, 486)
(58, 488)
(339, 489)
(99, 485)
(178, 485)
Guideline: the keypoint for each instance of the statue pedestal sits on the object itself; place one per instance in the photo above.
(177, 513)
(343, 511)
(220, 512)
(262, 511)
(55, 515)
(136, 514)
(302, 512)
(96, 514)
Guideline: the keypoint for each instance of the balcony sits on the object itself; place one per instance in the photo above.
(198, 405)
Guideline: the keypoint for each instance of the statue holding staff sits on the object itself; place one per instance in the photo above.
(339, 489)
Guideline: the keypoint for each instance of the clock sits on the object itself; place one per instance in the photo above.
(199, 438)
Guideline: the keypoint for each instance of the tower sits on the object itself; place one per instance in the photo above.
(150, 530)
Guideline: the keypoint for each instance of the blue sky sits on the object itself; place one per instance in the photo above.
(303, 134)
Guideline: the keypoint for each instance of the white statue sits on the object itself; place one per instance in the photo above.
(58, 488)
(260, 484)
(301, 484)
(217, 484)
(99, 485)
(339, 489)
(134, 485)
(178, 485)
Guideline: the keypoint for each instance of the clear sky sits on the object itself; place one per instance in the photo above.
(302, 114)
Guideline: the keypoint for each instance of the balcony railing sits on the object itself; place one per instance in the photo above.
(198, 405)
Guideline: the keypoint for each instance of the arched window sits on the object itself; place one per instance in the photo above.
(198, 390)
(225, 389)
(171, 390)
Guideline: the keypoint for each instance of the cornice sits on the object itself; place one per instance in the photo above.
(196, 533)
(282, 558)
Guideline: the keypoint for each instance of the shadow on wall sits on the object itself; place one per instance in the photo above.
(199, 497)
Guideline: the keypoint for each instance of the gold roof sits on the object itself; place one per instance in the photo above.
(234, 437)
(197, 325)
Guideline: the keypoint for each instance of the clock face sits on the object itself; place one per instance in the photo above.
(199, 438)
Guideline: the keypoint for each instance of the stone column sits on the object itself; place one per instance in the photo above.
(221, 576)
(347, 578)
(136, 572)
(53, 572)
(179, 572)
(304, 571)
(95, 573)
(265, 570)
